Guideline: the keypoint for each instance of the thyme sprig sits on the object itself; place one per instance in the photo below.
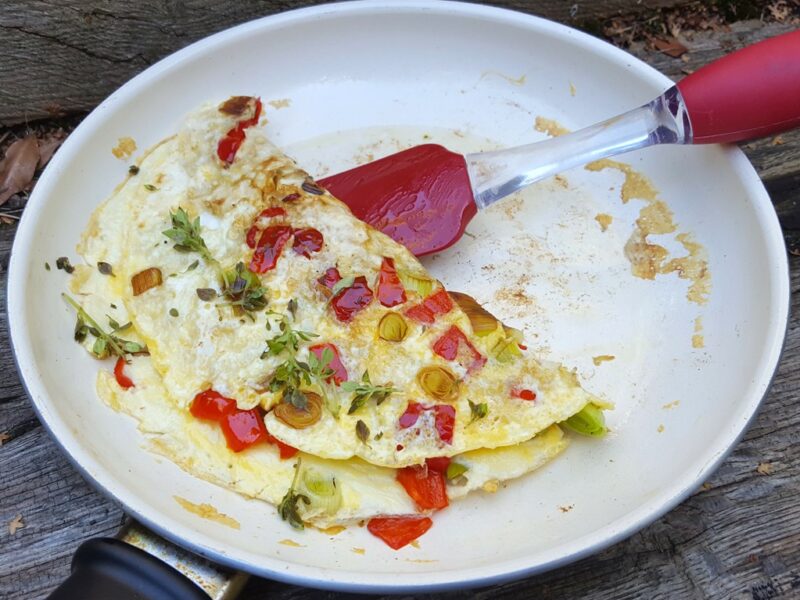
(287, 339)
(242, 288)
(105, 344)
(289, 507)
(364, 390)
(186, 235)
(292, 374)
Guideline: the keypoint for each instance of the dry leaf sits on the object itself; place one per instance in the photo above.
(794, 251)
(778, 141)
(48, 146)
(18, 167)
(764, 468)
(15, 524)
(4, 437)
(670, 47)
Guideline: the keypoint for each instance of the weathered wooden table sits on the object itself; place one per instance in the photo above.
(736, 537)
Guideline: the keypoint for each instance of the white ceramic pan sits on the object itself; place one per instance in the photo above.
(363, 79)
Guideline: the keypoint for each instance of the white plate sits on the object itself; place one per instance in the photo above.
(386, 74)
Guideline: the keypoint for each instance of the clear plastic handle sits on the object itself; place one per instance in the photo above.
(495, 175)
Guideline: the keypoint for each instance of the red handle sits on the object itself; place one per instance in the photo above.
(748, 94)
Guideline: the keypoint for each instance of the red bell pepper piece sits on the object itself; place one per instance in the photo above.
(351, 300)
(444, 418)
(229, 145)
(445, 421)
(421, 314)
(212, 405)
(397, 532)
(330, 278)
(307, 241)
(123, 380)
(438, 303)
(269, 248)
(243, 428)
(523, 394)
(390, 289)
(439, 463)
(425, 486)
(285, 450)
(454, 345)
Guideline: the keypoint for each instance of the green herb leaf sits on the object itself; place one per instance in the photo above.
(150, 187)
(81, 329)
(173, 312)
(478, 411)
(186, 235)
(362, 431)
(289, 508)
(133, 170)
(133, 347)
(363, 391)
(100, 348)
(46, 266)
(63, 264)
(296, 398)
(242, 288)
(105, 268)
(287, 338)
(106, 344)
(206, 294)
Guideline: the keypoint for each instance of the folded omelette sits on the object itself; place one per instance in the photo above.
(270, 342)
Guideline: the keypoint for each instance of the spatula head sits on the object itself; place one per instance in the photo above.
(420, 197)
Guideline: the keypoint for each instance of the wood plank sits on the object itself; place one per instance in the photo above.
(66, 56)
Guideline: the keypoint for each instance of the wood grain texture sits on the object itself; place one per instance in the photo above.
(65, 56)
(738, 537)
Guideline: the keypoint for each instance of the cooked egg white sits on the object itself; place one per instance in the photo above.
(363, 490)
(208, 345)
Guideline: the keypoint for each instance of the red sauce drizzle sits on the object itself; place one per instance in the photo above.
(454, 345)
(229, 145)
(269, 248)
(339, 370)
(307, 241)
(351, 300)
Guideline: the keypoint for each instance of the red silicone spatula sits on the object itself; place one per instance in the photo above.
(424, 197)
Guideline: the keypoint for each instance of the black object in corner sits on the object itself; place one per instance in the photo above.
(106, 568)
